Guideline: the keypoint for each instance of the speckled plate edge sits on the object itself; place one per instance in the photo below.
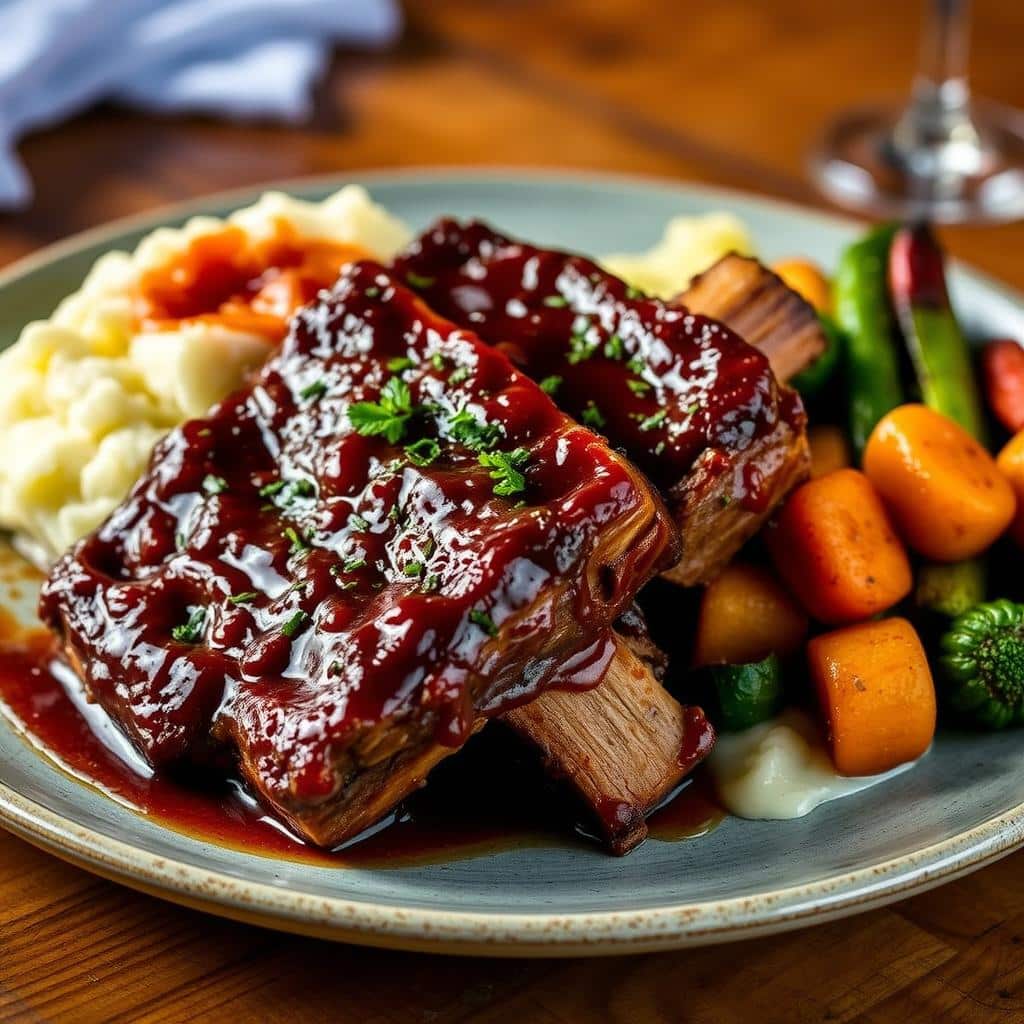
(495, 934)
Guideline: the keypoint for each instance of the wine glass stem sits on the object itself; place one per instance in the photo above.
(936, 138)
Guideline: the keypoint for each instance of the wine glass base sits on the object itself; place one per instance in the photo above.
(865, 164)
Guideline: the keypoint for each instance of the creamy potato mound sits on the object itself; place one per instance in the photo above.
(85, 395)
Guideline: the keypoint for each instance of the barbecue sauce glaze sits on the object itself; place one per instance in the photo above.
(667, 386)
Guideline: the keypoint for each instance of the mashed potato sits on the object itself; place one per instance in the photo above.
(85, 395)
(689, 246)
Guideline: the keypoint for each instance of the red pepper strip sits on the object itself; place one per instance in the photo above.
(1002, 364)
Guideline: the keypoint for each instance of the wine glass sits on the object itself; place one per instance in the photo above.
(945, 156)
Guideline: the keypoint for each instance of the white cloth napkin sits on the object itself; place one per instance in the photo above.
(235, 58)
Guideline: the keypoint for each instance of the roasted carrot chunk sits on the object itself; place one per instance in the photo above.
(876, 695)
(835, 547)
(745, 615)
(945, 492)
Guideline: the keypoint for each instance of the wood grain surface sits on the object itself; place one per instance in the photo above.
(725, 91)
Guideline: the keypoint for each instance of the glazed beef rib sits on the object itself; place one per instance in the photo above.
(343, 570)
(690, 402)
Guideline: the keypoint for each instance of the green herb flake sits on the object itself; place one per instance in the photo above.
(459, 374)
(614, 348)
(580, 349)
(484, 621)
(431, 583)
(192, 630)
(243, 598)
(506, 470)
(636, 365)
(549, 385)
(214, 484)
(418, 280)
(298, 542)
(465, 428)
(295, 623)
(725, 500)
(388, 416)
(638, 386)
(269, 490)
(400, 363)
(656, 419)
(357, 522)
(556, 301)
(351, 564)
(633, 293)
(437, 361)
(317, 389)
(592, 416)
(423, 452)
(412, 568)
(205, 432)
(372, 292)
(691, 409)
(659, 447)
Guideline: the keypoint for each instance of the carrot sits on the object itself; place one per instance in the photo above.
(835, 548)
(1011, 464)
(876, 694)
(948, 498)
(745, 615)
(1002, 365)
(830, 450)
(807, 280)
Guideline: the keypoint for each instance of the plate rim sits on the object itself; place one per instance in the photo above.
(494, 933)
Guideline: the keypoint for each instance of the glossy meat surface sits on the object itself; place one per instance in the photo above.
(391, 534)
(687, 399)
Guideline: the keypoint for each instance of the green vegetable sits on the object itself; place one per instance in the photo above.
(812, 381)
(863, 314)
(941, 357)
(983, 664)
(747, 694)
(950, 589)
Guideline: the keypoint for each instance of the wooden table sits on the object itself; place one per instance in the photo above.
(725, 91)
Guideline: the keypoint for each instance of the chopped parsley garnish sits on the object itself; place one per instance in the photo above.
(302, 488)
(549, 385)
(423, 452)
(633, 293)
(614, 348)
(347, 585)
(458, 375)
(294, 624)
(388, 416)
(636, 365)
(484, 621)
(351, 564)
(580, 348)
(243, 598)
(357, 522)
(691, 409)
(427, 547)
(654, 420)
(418, 280)
(592, 416)
(400, 363)
(299, 543)
(192, 631)
(437, 361)
(205, 432)
(431, 583)
(638, 386)
(269, 490)
(659, 447)
(412, 568)
(214, 484)
(556, 301)
(726, 500)
(317, 389)
(372, 292)
(506, 469)
(465, 428)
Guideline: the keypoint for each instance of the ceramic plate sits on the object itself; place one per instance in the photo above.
(959, 809)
